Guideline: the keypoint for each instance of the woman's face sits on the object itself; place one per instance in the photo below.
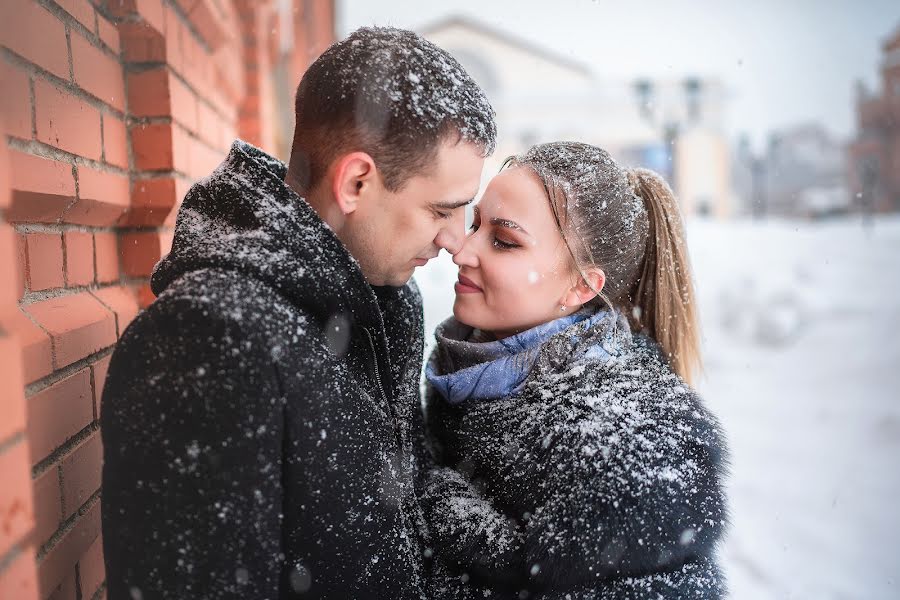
(515, 270)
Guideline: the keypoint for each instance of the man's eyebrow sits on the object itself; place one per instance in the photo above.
(452, 205)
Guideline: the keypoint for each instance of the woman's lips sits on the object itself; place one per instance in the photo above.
(466, 286)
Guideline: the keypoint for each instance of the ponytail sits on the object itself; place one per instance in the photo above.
(663, 299)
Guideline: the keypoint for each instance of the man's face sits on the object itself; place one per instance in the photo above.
(392, 233)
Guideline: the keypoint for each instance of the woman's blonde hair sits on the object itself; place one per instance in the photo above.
(628, 223)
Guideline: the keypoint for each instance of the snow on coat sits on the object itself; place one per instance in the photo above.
(257, 419)
(601, 478)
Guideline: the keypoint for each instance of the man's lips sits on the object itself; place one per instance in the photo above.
(466, 286)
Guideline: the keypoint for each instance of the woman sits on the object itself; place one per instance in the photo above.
(572, 459)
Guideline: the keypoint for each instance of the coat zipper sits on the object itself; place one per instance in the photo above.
(377, 373)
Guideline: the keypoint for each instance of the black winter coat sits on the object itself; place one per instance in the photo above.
(258, 417)
(602, 478)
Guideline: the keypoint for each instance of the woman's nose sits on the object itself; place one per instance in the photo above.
(467, 256)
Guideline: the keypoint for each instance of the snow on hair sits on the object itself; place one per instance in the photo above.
(628, 223)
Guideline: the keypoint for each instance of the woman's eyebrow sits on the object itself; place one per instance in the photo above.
(500, 222)
(505, 223)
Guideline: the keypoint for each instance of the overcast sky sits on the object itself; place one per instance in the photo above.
(783, 62)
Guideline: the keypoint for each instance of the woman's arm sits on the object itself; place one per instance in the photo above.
(468, 531)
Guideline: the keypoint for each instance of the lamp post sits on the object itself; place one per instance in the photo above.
(669, 115)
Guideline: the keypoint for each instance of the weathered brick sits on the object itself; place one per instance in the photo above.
(44, 269)
(81, 473)
(62, 557)
(57, 413)
(16, 510)
(121, 301)
(37, 357)
(32, 22)
(47, 505)
(66, 122)
(97, 73)
(106, 248)
(15, 101)
(79, 248)
(103, 198)
(41, 188)
(79, 325)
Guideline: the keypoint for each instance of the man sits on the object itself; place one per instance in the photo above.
(260, 417)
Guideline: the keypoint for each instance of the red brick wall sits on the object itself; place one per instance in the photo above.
(110, 110)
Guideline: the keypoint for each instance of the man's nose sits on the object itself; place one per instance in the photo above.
(452, 236)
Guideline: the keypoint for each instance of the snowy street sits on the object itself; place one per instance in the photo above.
(802, 365)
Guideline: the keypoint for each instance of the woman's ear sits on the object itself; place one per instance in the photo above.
(590, 283)
(352, 175)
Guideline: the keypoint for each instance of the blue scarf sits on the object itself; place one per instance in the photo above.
(465, 370)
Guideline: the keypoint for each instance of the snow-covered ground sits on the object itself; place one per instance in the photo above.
(801, 329)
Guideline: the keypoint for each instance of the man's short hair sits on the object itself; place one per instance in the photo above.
(392, 94)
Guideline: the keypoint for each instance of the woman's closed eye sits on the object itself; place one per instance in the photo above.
(503, 245)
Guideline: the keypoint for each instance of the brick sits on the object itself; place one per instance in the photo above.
(91, 569)
(57, 413)
(108, 33)
(203, 159)
(41, 188)
(16, 510)
(79, 248)
(106, 249)
(78, 324)
(122, 302)
(47, 505)
(81, 473)
(36, 348)
(182, 185)
(5, 196)
(97, 73)
(12, 267)
(152, 146)
(15, 101)
(71, 547)
(44, 269)
(67, 589)
(151, 201)
(81, 10)
(205, 19)
(30, 22)
(19, 579)
(174, 31)
(151, 11)
(145, 295)
(148, 93)
(115, 141)
(12, 407)
(102, 198)
(99, 371)
(181, 150)
(20, 268)
(209, 125)
(66, 122)
(142, 43)
(139, 252)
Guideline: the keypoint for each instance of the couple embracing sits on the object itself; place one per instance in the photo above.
(264, 431)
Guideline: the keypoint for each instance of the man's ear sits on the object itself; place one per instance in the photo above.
(352, 176)
(590, 283)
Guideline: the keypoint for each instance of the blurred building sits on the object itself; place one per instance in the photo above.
(675, 127)
(801, 173)
(873, 172)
